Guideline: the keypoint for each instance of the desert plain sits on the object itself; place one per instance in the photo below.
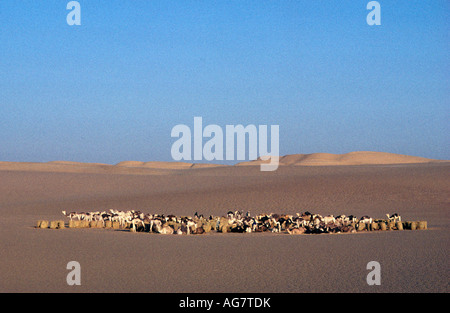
(359, 183)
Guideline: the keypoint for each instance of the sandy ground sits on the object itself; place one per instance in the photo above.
(34, 260)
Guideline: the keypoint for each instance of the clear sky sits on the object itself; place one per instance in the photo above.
(113, 88)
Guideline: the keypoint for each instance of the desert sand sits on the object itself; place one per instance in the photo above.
(359, 183)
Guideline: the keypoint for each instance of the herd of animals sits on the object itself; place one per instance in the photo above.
(306, 223)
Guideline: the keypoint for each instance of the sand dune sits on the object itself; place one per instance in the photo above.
(131, 164)
(82, 168)
(125, 167)
(352, 158)
(76, 163)
(356, 158)
(166, 165)
(154, 167)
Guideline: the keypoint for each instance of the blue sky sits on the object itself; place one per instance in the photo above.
(113, 88)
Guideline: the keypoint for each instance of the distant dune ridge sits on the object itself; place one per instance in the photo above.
(159, 167)
(156, 164)
(351, 158)
(165, 165)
